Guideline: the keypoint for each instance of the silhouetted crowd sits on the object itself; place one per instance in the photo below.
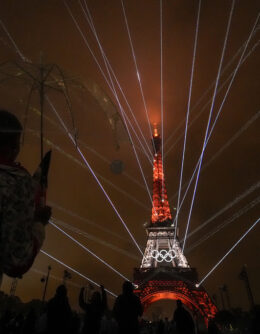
(23, 217)
(56, 316)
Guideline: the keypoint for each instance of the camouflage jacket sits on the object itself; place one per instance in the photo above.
(20, 235)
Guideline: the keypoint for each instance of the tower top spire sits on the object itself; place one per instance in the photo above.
(161, 214)
(156, 139)
(155, 130)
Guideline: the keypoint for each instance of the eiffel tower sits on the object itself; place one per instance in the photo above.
(165, 272)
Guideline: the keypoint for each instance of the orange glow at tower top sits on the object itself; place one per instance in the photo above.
(155, 131)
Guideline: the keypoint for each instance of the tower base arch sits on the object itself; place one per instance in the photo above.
(174, 283)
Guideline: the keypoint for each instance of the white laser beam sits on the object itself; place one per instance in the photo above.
(230, 250)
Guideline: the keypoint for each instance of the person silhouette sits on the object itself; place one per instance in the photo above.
(167, 326)
(255, 314)
(127, 309)
(212, 327)
(22, 228)
(29, 323)
(59, 314)
(183, 321)
(94, 310)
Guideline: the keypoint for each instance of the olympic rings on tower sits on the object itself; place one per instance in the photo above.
(162, 255)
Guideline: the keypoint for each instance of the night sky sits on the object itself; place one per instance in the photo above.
(231, 162)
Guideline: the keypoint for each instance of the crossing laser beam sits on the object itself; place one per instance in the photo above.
(206, 93)
(108, 65)
(137, 71)
(226, 207)
(82, 155)
(95, 239)
(232, 139)
(133, 115)
(13, 42)
(75, 271)
(118, 102)
(209, 162)
(85, 220)
(101, 70)
(161, 86)
(105, 180)
(92, 172)
(88, 250)
(198, 166)
(228, 221)
(228, 252)
(187, 117)
(209, 120)
(232, 79)
(90, 21)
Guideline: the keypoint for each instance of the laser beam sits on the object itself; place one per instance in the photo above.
(75, 271)
(90, 21)
(209, 162)
(228, 221)
(92, 172)
(85, 160)
(13, 42)
(228, 252)
(187, 116)
(232, 79)
(177, 128)
(198, 166)
(85, 220)
(107, 64)
(94, 238)
(89, 251)
(161, 82)
(238, 198)
(209, 120)
(102, 178)
(136, 68)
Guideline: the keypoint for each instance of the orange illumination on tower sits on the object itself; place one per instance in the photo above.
(161, 209)
(164, 272)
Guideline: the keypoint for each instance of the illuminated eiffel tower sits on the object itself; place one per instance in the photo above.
(165, 272)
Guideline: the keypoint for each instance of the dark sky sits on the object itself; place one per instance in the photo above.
(46, 27)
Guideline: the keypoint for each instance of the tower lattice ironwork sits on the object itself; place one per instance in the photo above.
(165, 272)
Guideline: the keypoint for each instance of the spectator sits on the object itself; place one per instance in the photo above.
(108, 324)
(59, 314)
(160, 327)
(212, 327)
(167, 326)
(22, 225)
(127, 309)
(256, 319)
(29, 324)
(183, 320)
(94, 310)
